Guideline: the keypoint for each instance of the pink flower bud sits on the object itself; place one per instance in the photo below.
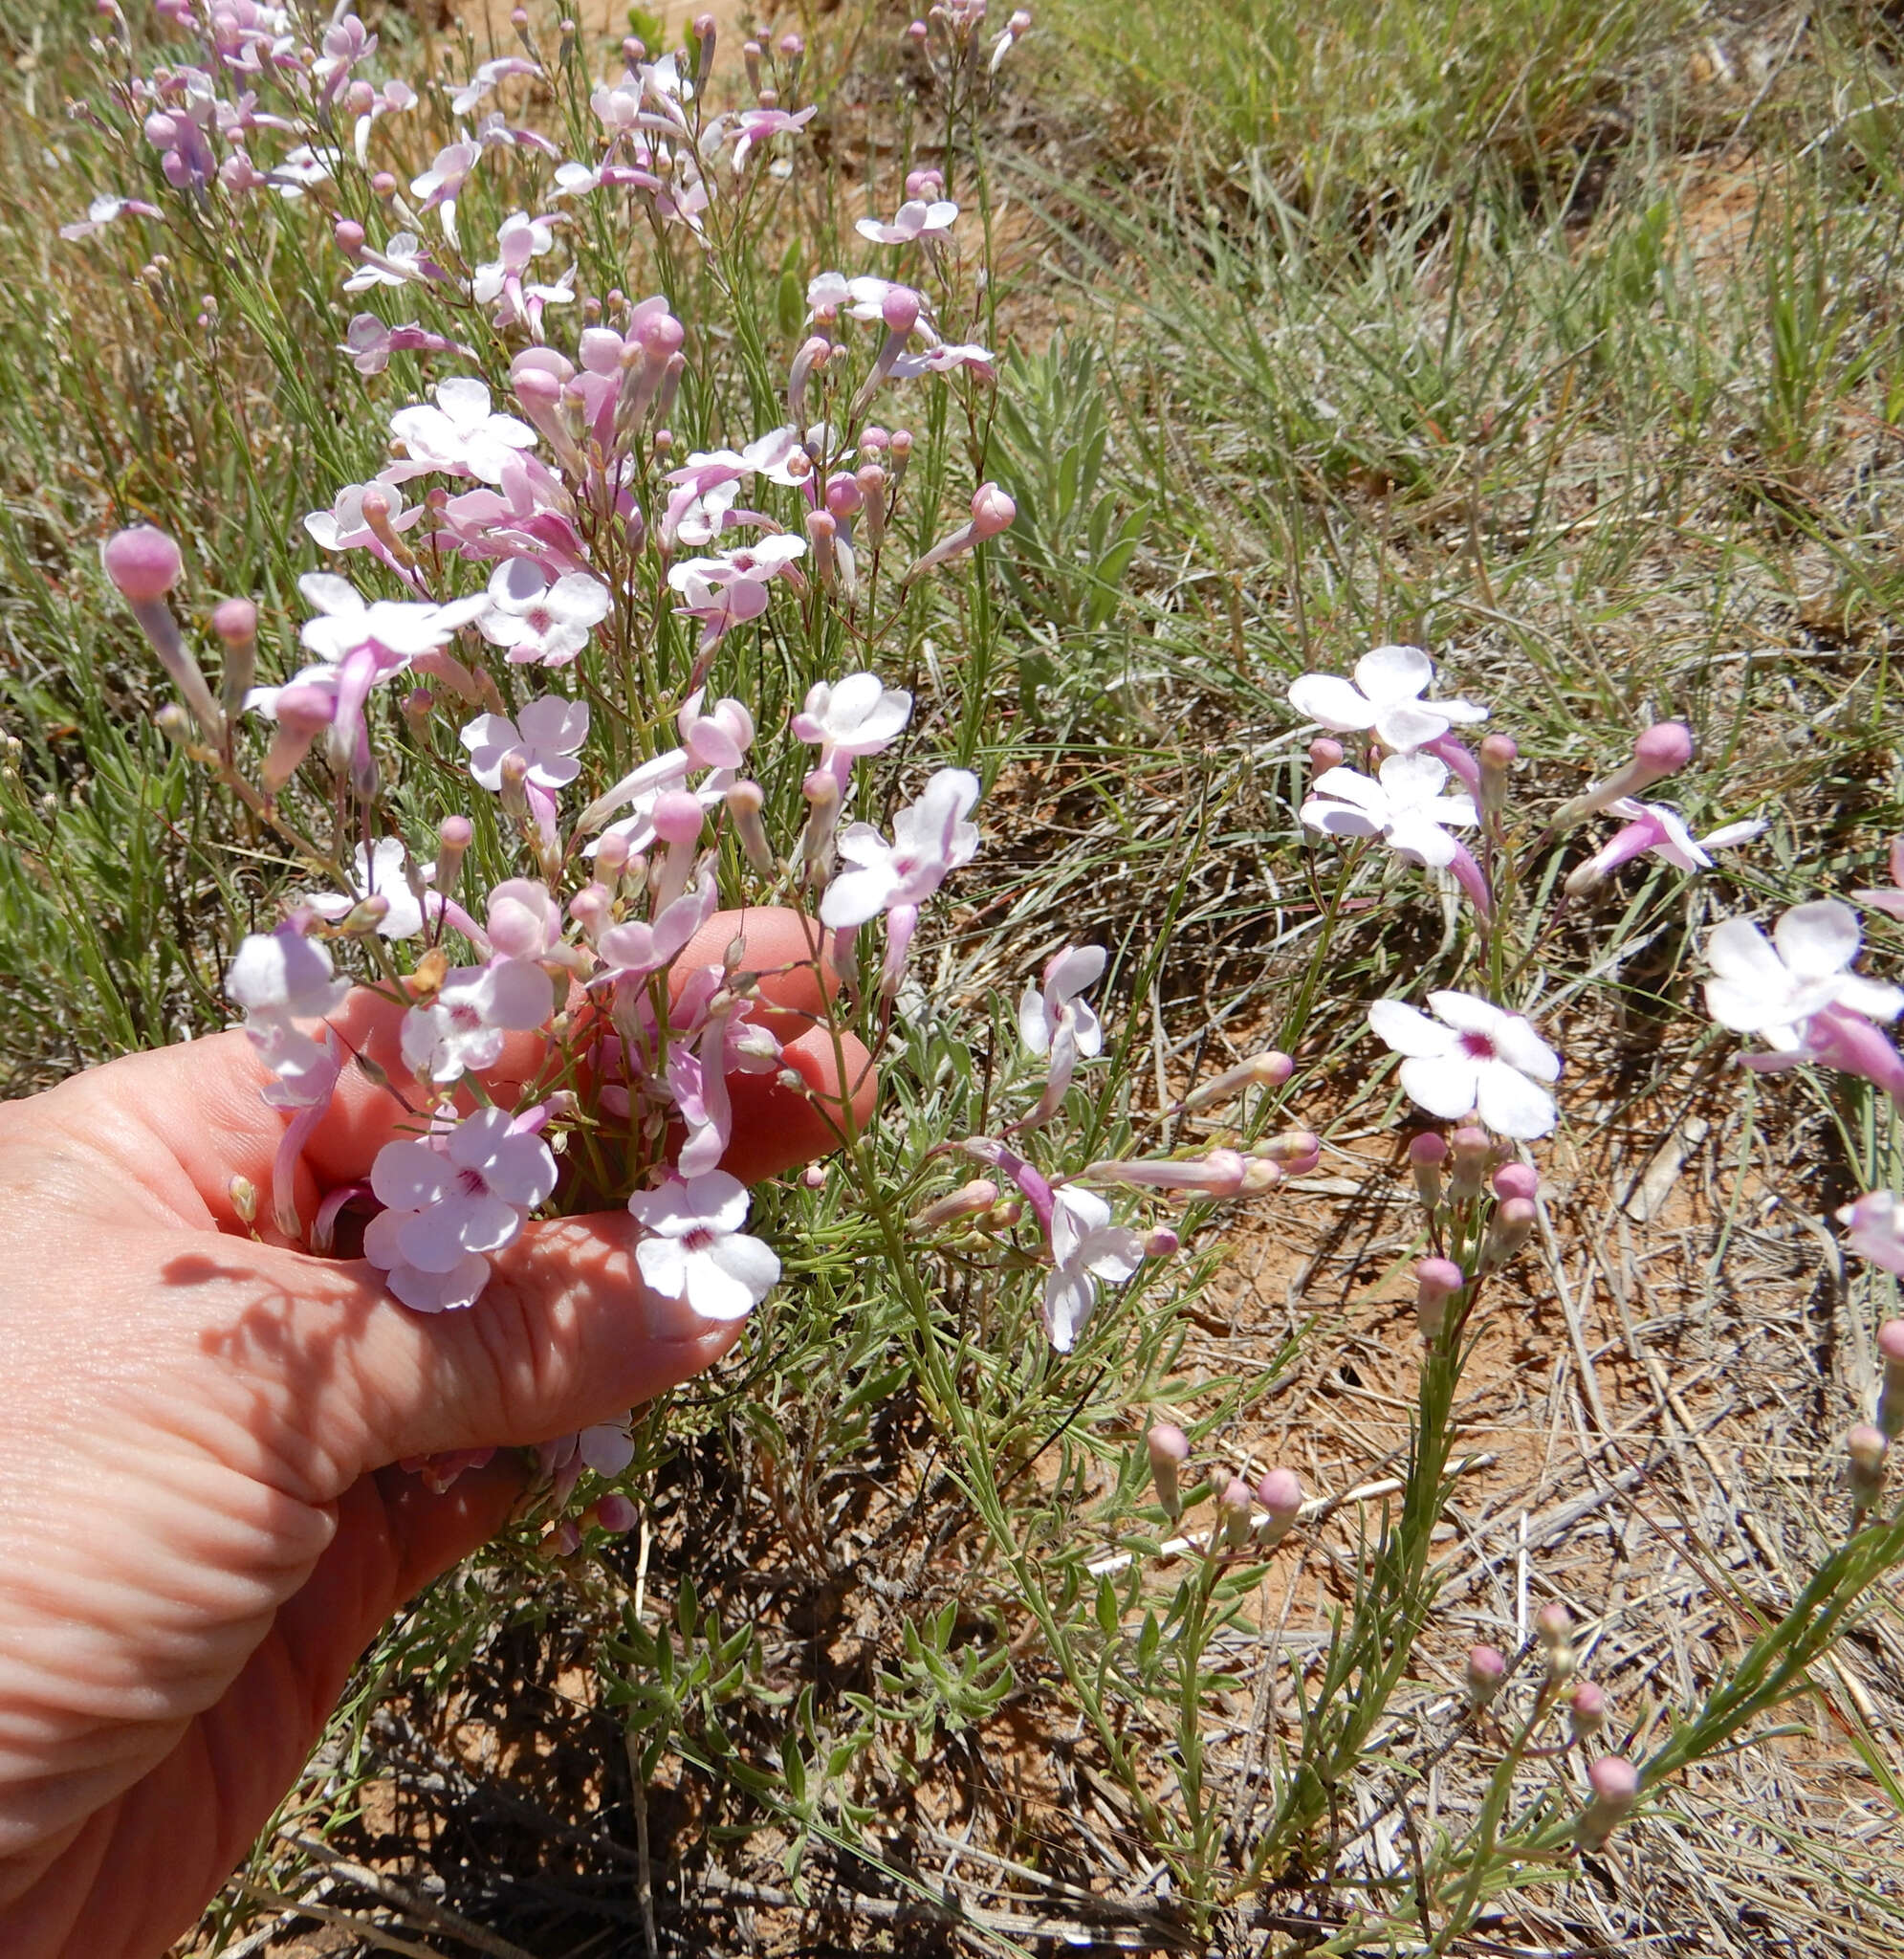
(1268, 1070)
(1168, 1449)
(991, 510)
(236, 621)
(560, 1540)
(615, 1514)
(1280, 1494)
(965, 1202)
(1233, 1509)
(1498, 756)
(918, 33)
(1891, 1397)
(1326, 754)
(1513, 1223)
(745, 801)
(1427, 1153)
(1865, 1449)
(349, 234)
(1664, 748)
(1515, 1180)
(304, 709)
(1586, 1711)
(874, 440)
(844, 497)
(900, 311)
(383, 185)
(1553, 1627)
(1436, 1281)
(1161, 1242)
(1615, 1785)
(790, 46)
(144, 563)
(677, 816)
(1486, 1669)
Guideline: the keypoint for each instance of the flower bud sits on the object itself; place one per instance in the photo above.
(1427, 1153)
(349, 237)
(1281, 1493)
(560, 1540)
(454, 836)
(1498, 756)
(365, 917)
(1325, 754)
(1471, 1148)
(677, 818)
(1586, 1711)
(1295, 1150)
(244, 1194)
(991, 510)
(1515, 1180)
(1865, 1451)
(1513, 1222)
(1268, 1070)
(515, 792)
(615, 1514)
(1553, 1627)
(1233, 1509)
(745, 800)
(965, 1202)
(1436, 1281)
(1616, 1786)
(1168, 1449)
(1160, 1241)
(144, 563)
(1486, 1669)
(1660, 751)
(814, 1177)
(1891, 1397)
(235, 622)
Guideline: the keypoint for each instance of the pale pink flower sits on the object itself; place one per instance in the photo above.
(105, 210)
(396, 629)
(1385, 696)
(540, 620)
(343, 528)
(378, 873)
(442, 183)
(524, 921)
(471, 92)
(729, 589)
(1087, 1247)
(848, 718)
(1657, 827)
(458, 437)
(1473, 1055)
(1405, 806)
(451, 1199)
(1875, 1229)
(1056, 1022)
(402, 262)
(916, 219)
(1774, 992)
(931, 840)
(463, 1027)
(697, 1251)
(546, 734)
(284, 974)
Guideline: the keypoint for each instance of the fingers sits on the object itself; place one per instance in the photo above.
(776, 1127)
(565, 1335)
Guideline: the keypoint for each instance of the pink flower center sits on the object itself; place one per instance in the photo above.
(697, 1239)
(1479, 1046)
(540, 620)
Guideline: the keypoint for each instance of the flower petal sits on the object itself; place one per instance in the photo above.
(408, 1176)
(1390, 674)
(1443, 1084)
(1407, 1030)
(1328, 698)
(1818, 940)
(1511, 1105)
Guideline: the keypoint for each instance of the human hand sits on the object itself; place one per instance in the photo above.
(199, 1527)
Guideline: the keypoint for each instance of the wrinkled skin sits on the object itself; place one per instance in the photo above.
(199, 1531)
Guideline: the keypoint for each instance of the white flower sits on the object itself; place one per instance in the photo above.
(443, 182)
(1088, 1246)
(402, 262)
(459, 435)
(398, 627)
(537, 619)
(378, 873)
(1876, 1229)
(303, 169)
(854, 717)
(1406, 806)
(1389, 681)
(547, 736)
(451, 1199)
(1055, 1012)
(1773, 993)
(914, 219)
(698, 1251)
(931, 839)
(1473, 1056)
(342, 527)
(283, 972)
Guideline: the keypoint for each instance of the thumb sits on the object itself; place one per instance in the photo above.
(566, 1333)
